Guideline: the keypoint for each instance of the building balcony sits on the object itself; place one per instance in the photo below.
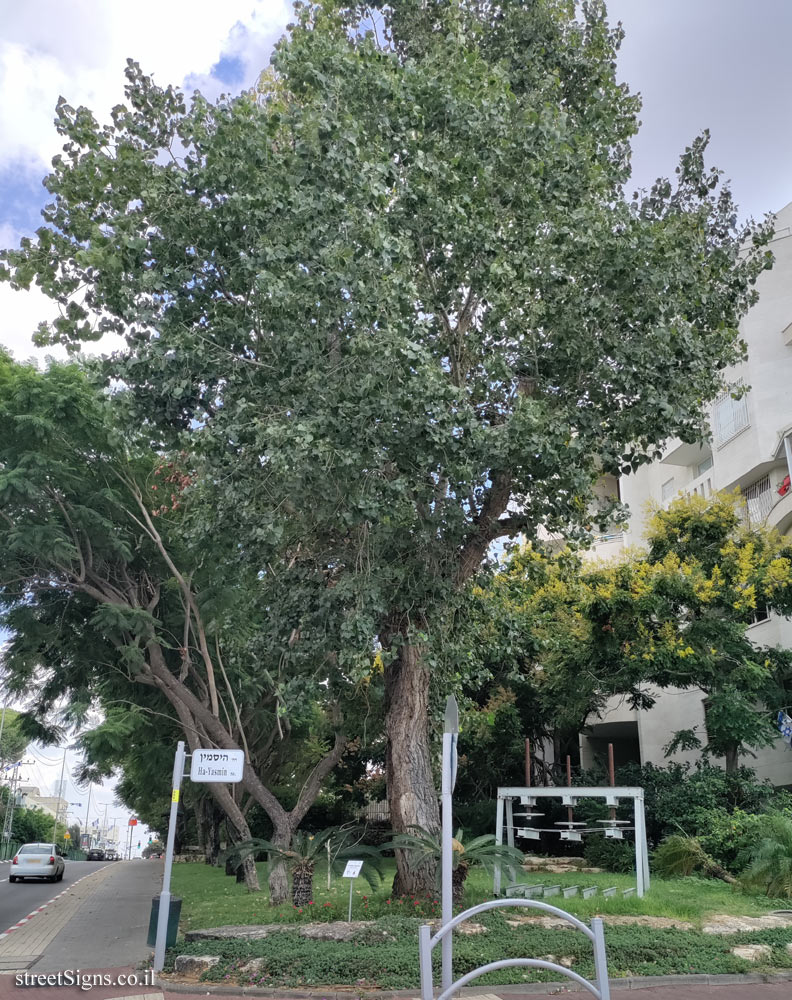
(678, 452)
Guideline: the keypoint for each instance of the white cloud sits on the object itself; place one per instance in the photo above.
(79, 49)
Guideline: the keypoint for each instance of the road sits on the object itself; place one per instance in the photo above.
(95, 919)
(21, 898)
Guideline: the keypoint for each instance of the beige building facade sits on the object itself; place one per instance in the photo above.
(750, 449)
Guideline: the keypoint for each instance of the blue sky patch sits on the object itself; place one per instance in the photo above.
(229, 70)
(22, 197)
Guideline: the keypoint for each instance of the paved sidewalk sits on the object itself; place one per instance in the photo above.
(97, 926)
(112, 925)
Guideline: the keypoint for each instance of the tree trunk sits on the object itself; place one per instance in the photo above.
(207, 820)
(458, 877)
(302, 883)
(278, 879)
(732, 759)
(411, 793)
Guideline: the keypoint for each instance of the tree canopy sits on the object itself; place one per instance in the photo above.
(675, 614)
(397, 301)
(110, 605)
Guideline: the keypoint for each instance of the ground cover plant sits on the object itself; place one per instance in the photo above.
(392, 963)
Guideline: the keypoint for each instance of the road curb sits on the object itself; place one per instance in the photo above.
(517, 990)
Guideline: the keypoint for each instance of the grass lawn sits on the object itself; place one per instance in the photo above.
(211, 899)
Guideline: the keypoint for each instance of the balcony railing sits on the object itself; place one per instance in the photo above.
(760, 499)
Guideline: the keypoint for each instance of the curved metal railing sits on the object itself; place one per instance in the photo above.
(595, 933)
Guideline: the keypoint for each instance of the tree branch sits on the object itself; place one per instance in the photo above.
(485, 525)
(313, 782)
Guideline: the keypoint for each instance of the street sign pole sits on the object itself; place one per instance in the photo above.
(451, 729)
(165, 896)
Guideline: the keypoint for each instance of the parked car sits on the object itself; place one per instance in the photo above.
(43, 861)
(96, 854)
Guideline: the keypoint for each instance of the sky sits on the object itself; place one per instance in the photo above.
(717, 64)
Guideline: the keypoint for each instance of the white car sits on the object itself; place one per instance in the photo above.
(37, 861)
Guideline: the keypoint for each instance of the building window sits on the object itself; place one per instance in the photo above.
(729, 416)
(759, 614)
(667, 490)
(704, 466)
(704, 488)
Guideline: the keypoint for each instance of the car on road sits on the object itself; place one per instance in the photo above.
(42, 861)
(96, 854)
(110, 854)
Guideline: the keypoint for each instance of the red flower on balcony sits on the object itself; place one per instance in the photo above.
(784, 488)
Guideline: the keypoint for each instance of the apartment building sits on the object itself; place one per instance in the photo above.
(751, 448)
(31, 798)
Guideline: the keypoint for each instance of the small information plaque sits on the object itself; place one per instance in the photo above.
(352, 869)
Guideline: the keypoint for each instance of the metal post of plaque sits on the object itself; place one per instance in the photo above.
(223, 766)
(351, 872)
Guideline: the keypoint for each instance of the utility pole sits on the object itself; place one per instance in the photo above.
(87, 810)
(2, 725)
(8, 820)
(57, 801)
(104, 825)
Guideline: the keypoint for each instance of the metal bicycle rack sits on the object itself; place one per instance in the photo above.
(599, 988)
(444, 936)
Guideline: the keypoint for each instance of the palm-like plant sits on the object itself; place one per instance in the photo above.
(771, 859)
(480, 852)
(682, 855)
(307, 849)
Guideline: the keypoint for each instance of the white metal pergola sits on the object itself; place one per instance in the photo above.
(504, 819)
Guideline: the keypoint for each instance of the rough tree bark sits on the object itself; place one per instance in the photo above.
(408, 767)
(412, 798)
(207, 819)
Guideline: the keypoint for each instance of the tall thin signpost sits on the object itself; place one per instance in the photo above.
(222, 766)
(165, 895)
(450, 735)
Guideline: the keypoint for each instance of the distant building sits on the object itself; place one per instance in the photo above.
(31, 798)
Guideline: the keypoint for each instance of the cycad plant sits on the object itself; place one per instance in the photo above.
(307, 849)
(480, 852)
(682, 855)
(771, 859)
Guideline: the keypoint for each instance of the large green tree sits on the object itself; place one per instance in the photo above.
(398, 300)
(109, 605)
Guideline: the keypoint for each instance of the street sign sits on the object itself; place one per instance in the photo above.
(217, 765)
(132, 821)
(67, 836)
